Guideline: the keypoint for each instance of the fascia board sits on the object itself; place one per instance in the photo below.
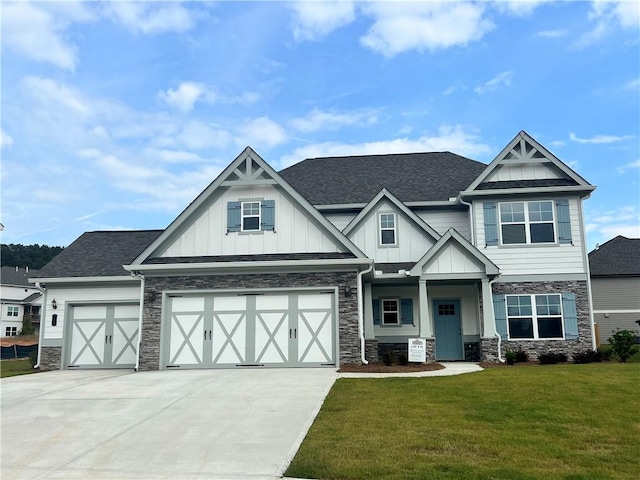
(494, 163)
(105, 279)
(528, 190)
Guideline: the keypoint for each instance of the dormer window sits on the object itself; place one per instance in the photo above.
(387, 229)
(527, 222)
(250, 216)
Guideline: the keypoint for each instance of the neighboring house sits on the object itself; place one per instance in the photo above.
(19, 298)
(333, 261)
(615, 280)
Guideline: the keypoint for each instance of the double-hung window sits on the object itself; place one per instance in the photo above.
(387, 228)
(527, 222)
(533, 317)
(11, 331)
(390, 312)
(12, 311)
(250, 216)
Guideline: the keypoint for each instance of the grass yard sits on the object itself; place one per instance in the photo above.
(529, 422)
(11, 368)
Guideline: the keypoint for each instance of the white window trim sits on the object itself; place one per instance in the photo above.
(534, 317)
(397, 310)
(528, 223)
(13, 311)
(243, 216)
(394, 229)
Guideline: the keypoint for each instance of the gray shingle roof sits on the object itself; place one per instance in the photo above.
(618, 257)
(11, 276)
(411, 177)
(96, 254)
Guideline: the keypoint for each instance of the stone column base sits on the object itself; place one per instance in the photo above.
(489, 350)
(371, 350)
(50, 358)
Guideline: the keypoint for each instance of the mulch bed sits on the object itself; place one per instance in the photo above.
(378, 367)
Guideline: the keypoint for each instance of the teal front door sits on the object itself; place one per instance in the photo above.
(448, 330)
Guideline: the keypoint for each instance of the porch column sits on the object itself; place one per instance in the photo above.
(489, 327)
(425, 315)
(368, 312)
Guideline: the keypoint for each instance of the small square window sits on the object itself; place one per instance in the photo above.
(390, 312)
(250, 216)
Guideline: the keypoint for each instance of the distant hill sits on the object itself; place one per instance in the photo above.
(33, 256)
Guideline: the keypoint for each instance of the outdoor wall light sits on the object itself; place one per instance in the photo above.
(54, 304)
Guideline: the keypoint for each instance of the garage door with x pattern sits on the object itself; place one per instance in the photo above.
(234, 330)
(102, 336)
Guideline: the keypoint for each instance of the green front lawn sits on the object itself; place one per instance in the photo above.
(11, 368)
(530, 422)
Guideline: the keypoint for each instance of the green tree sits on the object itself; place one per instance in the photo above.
(623, 344)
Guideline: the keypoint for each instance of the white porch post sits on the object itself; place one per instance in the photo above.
(489, 321)
(368, 312)
(425, 315)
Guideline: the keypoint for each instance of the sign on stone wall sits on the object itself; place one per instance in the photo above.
(417, 350)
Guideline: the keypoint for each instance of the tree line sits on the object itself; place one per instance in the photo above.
(33, 256)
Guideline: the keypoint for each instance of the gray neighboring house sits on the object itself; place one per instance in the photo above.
(18, 299)
(333, 261)
(615, 280)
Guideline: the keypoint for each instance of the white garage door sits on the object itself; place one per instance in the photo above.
(228, 330)
(102, 336)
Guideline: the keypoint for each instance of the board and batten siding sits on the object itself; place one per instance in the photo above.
(412, 241)
(340, 220)
(295, 231)
(453, 259)
(443, 220)
(534, 259)
(523, 171)
(621, 293)
(74, 295)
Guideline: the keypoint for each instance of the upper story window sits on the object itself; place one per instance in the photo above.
(390, 312)
(12, 311)
(250, 216)
(387, 229)
(532, 317)
(527, 222)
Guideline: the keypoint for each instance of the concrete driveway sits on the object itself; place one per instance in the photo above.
(215, 424)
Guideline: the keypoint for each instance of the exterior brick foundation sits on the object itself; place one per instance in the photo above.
(371, 350)
(349, 340)
(50, 358)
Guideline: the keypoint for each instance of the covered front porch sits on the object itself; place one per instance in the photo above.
(444, 298)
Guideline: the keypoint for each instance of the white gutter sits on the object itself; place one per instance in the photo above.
(361, 312)
(43, 317)
(493, 313)
(471, 222)
(585, 256)
(141, 277)
(253, 265)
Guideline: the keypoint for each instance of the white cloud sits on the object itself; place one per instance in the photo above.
(601, 139)
(5, 139)
(606, 224)
(322, 120)
(502, 79)
(87, 216)
(608, 15)
(629, 166)
(198, 135)
(40, 32)
(151, 17)
(449, 90)
(314, 20)
(519, 8)
(449, 138)
(552, 33)
(261, 132)
(557, 143)
(399, 27)
(184, 97)
(633, 84)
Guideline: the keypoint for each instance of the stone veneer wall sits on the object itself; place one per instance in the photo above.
(50, 358)
(349, 340)
(371, 350)
(489, 349)
(471, 351)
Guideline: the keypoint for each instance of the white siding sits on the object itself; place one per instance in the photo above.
(453, 259)
(8, 292)
(412, 241)
(443, 220)
(616, 293)
(65, 295)
(295, 231)
(397, 292)
(340, 220)
(524, 171)
(535, 259)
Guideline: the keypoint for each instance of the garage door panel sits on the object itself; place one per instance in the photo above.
(88, 342)
(187, 344)
(272, 337)
(95, 312)
(315, 337)
(229, 338)
(125, 340)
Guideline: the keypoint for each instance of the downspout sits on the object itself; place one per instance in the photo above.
(141, 277)
(43, 317)
(471, 222)
(493, 312)
(361, 312)
(585, 256)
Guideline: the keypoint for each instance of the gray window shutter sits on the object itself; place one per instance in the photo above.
(268, 212)
(564, 221)
(500, 312)
(570, 316)
(376, 312)
(490, 223)
(233, 216)
(406, 310)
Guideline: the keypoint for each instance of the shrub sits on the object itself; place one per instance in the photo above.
(588, 356)
(510, 356)
(403, 359)
(33, 357)
(552, 358)
(388, 357)
(27, 326)
(522, 356)
(623, 344)
(605, 353)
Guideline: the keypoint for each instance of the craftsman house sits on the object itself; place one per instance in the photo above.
(333, 261)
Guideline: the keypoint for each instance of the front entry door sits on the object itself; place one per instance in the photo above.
(448, 330)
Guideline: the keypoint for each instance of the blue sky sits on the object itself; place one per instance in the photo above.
(115, 115)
